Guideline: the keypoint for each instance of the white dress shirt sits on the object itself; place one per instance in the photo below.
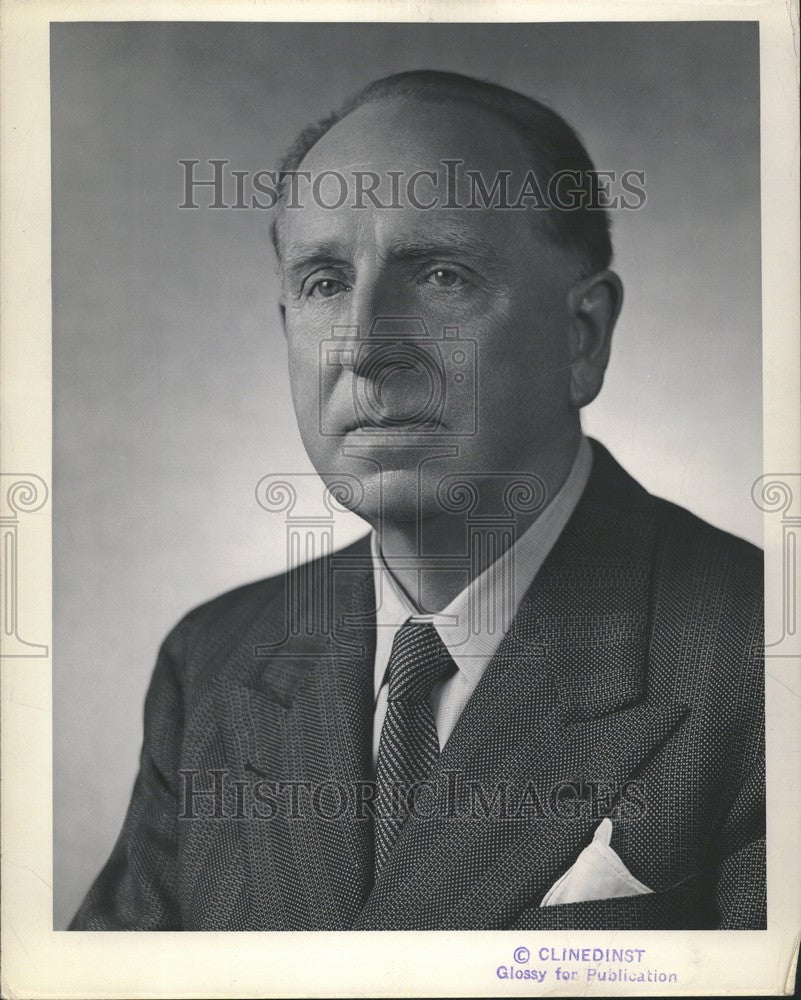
(470, 626)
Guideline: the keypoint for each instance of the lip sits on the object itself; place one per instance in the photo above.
(393, 426)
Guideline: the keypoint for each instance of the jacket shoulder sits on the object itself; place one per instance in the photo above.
(689, 548)
(226, 618)
(708, 616)
(697, 544)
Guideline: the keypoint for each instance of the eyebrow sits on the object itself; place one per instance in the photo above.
(445, 243)
(297, 258)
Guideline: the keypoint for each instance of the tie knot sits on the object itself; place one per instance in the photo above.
(419, 660)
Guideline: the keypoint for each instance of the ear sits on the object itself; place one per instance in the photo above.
(594, 304)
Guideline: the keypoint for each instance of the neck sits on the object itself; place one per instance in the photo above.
(409, 549)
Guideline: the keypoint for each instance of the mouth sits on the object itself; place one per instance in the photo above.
(394, 425)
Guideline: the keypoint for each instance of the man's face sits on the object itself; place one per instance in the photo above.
(381, 391)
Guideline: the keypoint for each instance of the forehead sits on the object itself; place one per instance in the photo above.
(417, 133)
(406, 153)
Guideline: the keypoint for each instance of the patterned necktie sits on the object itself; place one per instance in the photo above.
(408, 749)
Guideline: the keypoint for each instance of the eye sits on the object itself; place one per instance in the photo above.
(326, 288)
(445, 277)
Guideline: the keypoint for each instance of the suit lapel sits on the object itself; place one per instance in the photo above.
(302, 710)
(565, 699)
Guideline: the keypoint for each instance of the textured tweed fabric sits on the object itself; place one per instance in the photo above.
(630, 685)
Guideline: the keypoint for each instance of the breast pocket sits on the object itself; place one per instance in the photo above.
(687, 905)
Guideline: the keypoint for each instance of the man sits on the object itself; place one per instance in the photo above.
(532, 697)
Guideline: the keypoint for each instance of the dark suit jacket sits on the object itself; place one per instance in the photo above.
(636, 657)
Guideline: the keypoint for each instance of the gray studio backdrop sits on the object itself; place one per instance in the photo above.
(170, 393)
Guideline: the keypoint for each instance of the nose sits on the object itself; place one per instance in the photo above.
(398, 377)
(378, 300)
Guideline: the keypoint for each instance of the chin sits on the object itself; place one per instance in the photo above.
(380, 495)
(407, 499)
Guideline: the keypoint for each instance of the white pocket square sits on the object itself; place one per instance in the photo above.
(598, 873)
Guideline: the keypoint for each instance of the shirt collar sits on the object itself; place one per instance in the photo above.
(476, 620)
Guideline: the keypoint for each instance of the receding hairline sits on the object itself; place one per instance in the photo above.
(435, 88)
(406, 100)
(541, 134)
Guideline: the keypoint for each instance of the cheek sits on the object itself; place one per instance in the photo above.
(303, 365)
(304, 335)
(523, 360)
(314, 369)
(301, 357)
(533, 335)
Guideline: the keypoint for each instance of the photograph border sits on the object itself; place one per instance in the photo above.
(41, 962)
